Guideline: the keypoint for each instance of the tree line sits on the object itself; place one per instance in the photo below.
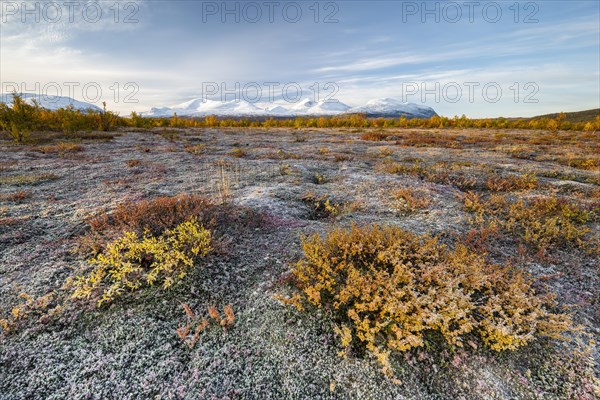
(21, 118)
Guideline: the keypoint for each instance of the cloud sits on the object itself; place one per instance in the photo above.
(170, 53)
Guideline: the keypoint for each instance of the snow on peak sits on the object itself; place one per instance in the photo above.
(50, 102)
(388, 106)
(202, 107)
(303, 105)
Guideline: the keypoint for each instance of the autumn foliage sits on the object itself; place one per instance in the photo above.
(391, 290)
(134, 261)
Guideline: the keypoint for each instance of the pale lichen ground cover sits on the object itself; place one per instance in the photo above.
(130, 349)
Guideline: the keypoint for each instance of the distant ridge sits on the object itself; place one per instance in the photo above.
(576, 116)
(50, 102)
(384, 107)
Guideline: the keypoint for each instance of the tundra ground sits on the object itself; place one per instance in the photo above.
(416, 179)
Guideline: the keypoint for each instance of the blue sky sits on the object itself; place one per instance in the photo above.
(543, 55)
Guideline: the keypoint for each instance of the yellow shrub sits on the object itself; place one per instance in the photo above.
(239, 153)
(61, 148)
(511, 183)
(540, 222)
(389, 288)
(132, 261)
(37, 307)
(410, 200)
(322, 207)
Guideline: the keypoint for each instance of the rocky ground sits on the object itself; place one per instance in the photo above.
(129, 350)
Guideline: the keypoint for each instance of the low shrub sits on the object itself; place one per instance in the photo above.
(539, 222)
(16, 197)
(23, 180)
(281, 155)
(160, 214)
(156, 215)
(511, 183)
(410, 200)
(546, 221)
(134, 261)
(374, 136)
(464, 177)
(61, 148)
(133, 163)
(299, 138)
(385, 152)
(170, 134)
(318, 179)
(191, 331)
(41, 307)
(390, 290)
(342, 158)
(239, 153)
(323, 207)
(196, 149)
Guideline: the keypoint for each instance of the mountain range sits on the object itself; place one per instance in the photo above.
(198, 107)
(50, 102)
(384, 107)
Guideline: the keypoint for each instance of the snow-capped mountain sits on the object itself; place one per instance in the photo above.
(323, 107)
(199, 107)
(387, 107)
(50, 102)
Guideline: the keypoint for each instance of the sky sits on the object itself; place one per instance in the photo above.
(478, 58)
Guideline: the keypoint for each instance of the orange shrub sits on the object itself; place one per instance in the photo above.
(374, 136)
(161, 214)
(410, 200)
(539, 222)
(388, 289)
(191, 336)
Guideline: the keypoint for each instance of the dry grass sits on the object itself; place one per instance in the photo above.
(27, 180)
(61, 148)
(238, 153)
(196, 149)
(16, 197)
